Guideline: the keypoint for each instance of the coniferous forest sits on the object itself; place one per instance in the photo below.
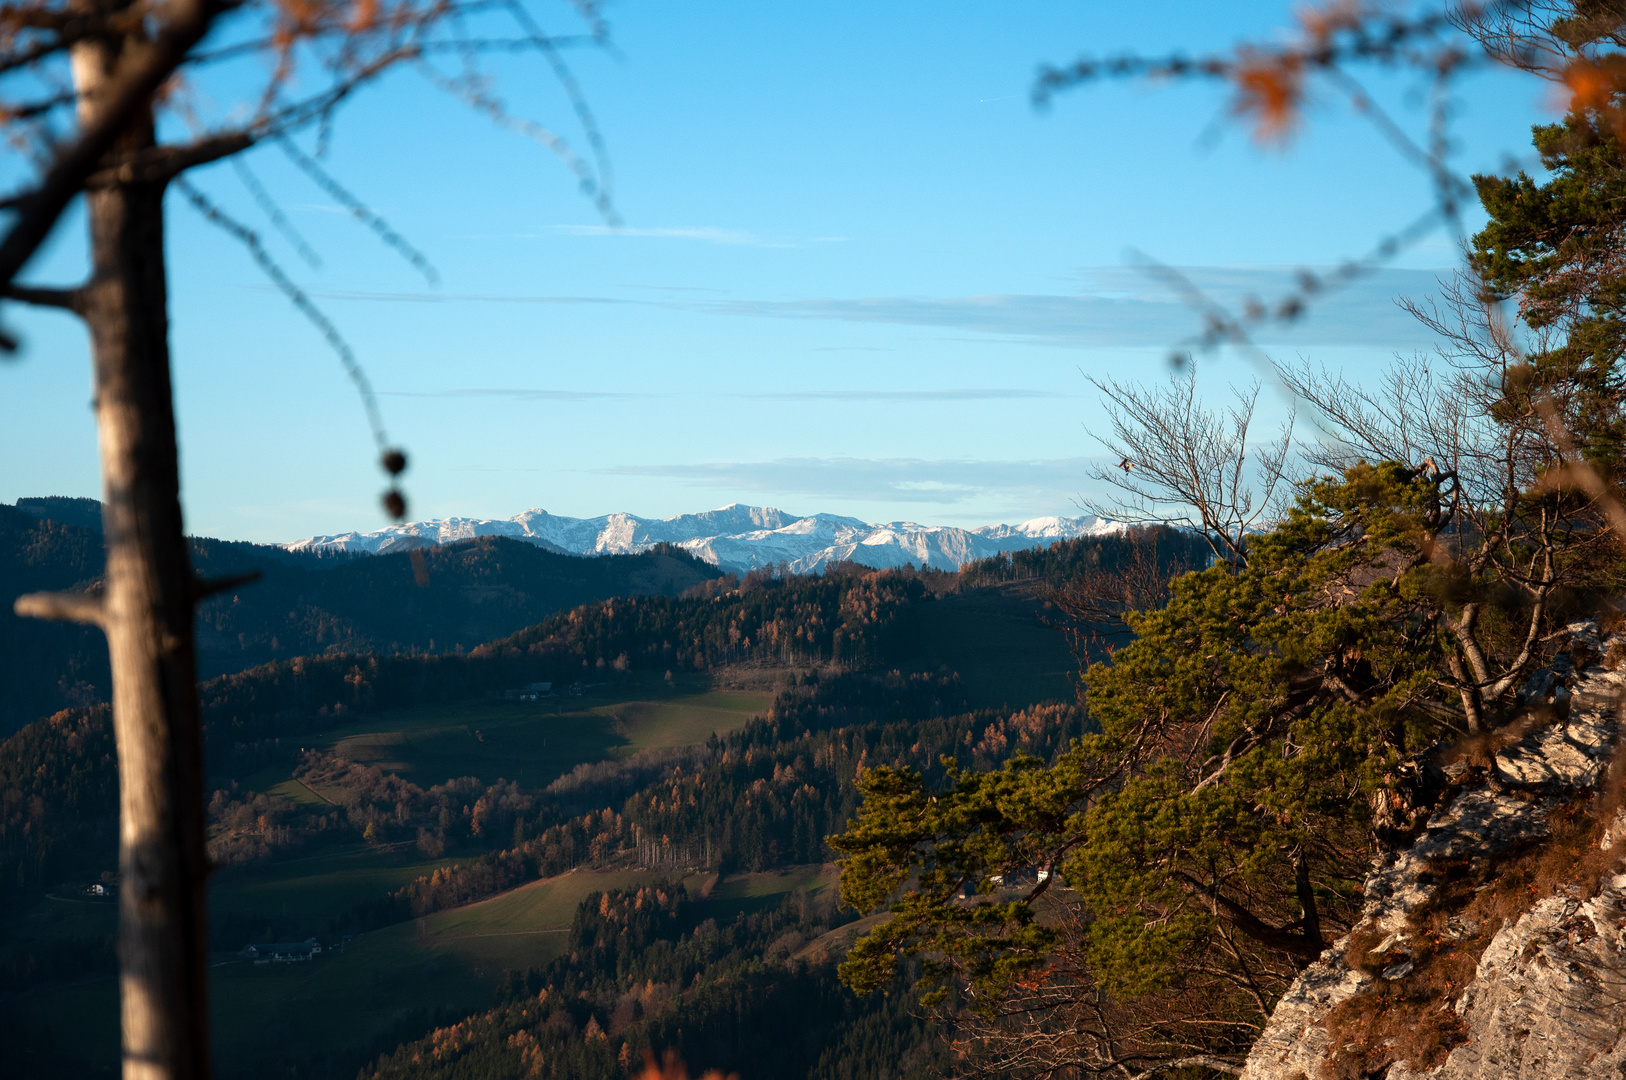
(712, 920)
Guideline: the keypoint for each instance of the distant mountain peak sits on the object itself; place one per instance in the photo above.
(735, 537)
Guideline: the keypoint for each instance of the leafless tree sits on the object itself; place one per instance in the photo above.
(1444, 407)
(1459, 417)
(91, 94)
(1182, 462)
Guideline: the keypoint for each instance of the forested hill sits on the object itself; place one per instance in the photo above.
(263, 716)
(504, 592)
(848, 615)
(302, 605)
(864, 667)
(1160, 550)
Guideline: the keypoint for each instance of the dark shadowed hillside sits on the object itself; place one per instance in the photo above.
(65, 510)
(302, 605)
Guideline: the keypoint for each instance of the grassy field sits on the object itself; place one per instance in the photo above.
(51, 919)
(683, 721)
(994, 638)
(387, 986)
(836, 943)
(298, 793)
(526, 926)
(322, 886)
(751, 893)
(522, 928)
(340, 1009)
(536, 742)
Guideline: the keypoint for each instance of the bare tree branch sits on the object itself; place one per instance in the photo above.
(66, 299)
(80, 607)
(272, 211)
(129, 91)
(359, 210)
(1206, 1061)
(1180, 463)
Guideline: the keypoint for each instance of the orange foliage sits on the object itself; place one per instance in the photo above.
(1321, 21)
(1596, 87)
(672, 1068)
(1591, 85)
(1270, 92)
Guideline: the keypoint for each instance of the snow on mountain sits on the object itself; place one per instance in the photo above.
(736, 537)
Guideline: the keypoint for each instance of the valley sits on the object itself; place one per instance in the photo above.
(371, 989)
(385, 986)
(441, 841)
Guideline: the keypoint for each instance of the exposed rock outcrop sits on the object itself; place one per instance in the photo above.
(1547, 997)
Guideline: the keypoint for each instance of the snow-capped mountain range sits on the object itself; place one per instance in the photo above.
(736, 538)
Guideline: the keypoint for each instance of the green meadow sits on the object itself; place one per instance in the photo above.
(531, 742)
(323, 885)
(329, 1016)
(536, 742)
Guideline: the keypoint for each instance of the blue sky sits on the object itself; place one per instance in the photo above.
(858, 273)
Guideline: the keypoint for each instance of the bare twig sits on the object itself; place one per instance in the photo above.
(1578, 470)
(1181, 463)
(296, 296)
(359, 210)
(273, 212)
(129, 91)
(66, 299)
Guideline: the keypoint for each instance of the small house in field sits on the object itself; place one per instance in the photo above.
(282, 952)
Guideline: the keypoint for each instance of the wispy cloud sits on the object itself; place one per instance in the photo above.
(1116, 307)
(706, 233)
(1049, 482)
(1122, 307)
(901, 395)
(676, 288)
(518, 394)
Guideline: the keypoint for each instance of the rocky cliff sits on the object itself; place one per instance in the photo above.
(1493, 940)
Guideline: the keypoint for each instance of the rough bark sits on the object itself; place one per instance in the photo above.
(147, 613)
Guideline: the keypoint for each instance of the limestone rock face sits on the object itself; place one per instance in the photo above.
(1548, 998)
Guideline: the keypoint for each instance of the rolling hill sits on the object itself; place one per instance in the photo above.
(304, 603)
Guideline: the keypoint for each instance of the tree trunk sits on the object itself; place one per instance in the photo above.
(1307, 905)
(147, 613)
